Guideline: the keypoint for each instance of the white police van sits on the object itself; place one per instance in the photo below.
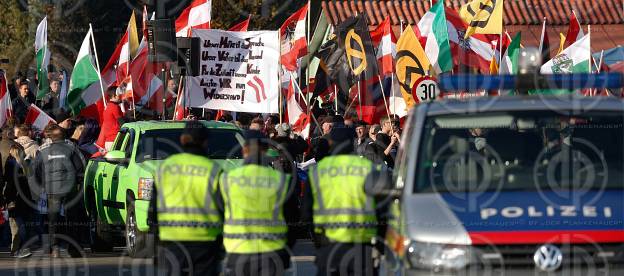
(506, 185)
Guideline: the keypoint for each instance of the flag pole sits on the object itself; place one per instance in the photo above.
(593, 91)
(589, 37)
(175, 109)
(335, 100)
(349, 106)
(597, 71)
(133, 105)
(500, 55)
(304, 100)
(279, 79)
(185, 99)
(308, 55)
(541, 46)
(97, 63)
(392, 92)
(394, 99)
(128, 71)
(359, 99)
(383, 95)
(600, 60)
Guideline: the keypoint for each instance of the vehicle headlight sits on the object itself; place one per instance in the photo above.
(145, 187)
(438, 256)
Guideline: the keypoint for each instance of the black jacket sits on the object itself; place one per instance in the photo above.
(51, 103)
(320, 148)
(360, 145)
(20, 107)
(58, 167)
(16, 192)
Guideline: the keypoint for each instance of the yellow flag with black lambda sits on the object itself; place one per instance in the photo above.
(411, 63)
(483, 17)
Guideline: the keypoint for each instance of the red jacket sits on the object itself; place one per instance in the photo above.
(110, 124)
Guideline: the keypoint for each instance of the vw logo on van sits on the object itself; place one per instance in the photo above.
(548, 257)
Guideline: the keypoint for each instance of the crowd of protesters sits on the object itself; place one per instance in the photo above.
(42, 168)
(41, 172)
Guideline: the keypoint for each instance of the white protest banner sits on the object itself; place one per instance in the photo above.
(238, 71)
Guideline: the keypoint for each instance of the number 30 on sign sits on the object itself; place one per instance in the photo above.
(425, 89)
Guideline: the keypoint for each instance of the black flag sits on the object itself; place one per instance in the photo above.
(333, 70)
(355, 40)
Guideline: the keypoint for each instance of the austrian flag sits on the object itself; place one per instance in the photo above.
(386, 46)
(297, 118)
(196, 16)
(6, 109)
(293, 39)
(37, 118)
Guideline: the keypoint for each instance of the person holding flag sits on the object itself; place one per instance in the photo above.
(110, 122)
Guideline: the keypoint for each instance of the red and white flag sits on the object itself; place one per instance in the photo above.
(386, 41)
(241, 26)
(123, 64)
(575, 32)
(195, 16)
(386, 49)
(297, 118)
(37, 118)
(475, 51)
(6, 109)
(109, 73)
(154, 95)
(128, 91)
(293, 35)
(145, 82)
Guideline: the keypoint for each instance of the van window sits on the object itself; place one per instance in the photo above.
(119, 140)
(160, 144)
(521, 151)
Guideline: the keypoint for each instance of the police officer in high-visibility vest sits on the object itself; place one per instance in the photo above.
(189, 222)
(258, 210)
(344, 218)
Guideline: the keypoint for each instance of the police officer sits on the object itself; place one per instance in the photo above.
(344, 217)
(189, 221)
(258, 211)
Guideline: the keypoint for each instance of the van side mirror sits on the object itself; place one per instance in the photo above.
(379, 185)
(116, 157)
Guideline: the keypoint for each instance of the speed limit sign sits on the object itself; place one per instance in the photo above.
(425, 89)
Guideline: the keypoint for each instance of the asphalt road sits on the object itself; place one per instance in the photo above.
(117, 263)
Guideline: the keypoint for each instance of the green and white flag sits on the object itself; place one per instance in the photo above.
(574, 59)
(437, 48)
(43, 58)
(84, 86)
(509, 62)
